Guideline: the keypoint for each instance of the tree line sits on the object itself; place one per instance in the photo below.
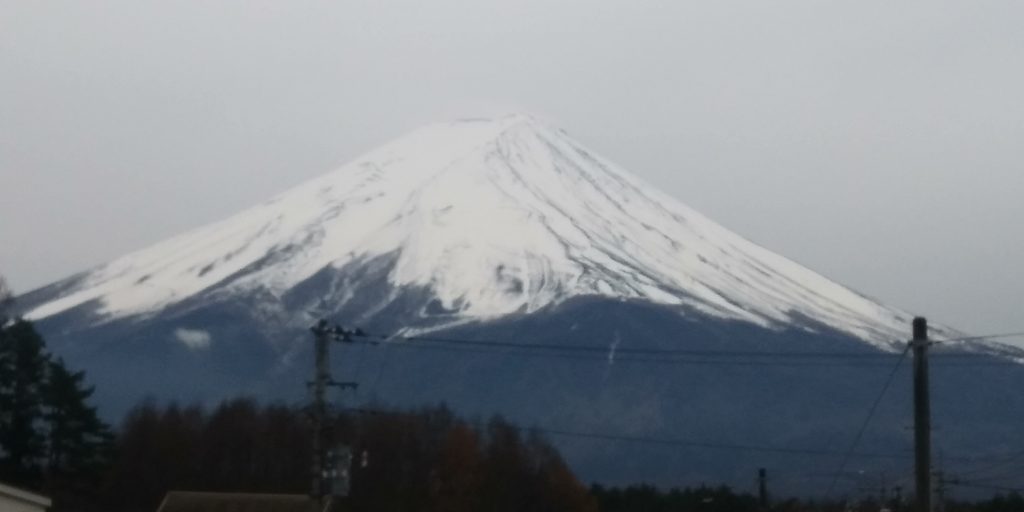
(52, 442)
(648, 498)
(428, 459)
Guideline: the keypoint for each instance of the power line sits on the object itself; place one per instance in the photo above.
(663, 441)
(657, 351)
(1016, 334)
(646, 440)
(505, 348)
(867, 421)
(572, 357)
(1005, 468)
(668, 356)
(996, 465)
(593, 358)
(630, 351)
(975, 485)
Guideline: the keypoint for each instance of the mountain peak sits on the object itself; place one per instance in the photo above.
(492, 217)
(507, 119)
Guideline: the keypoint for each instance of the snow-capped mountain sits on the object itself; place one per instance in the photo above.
(509, 230)
(492, 217)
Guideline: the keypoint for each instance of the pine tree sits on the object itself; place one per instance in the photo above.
(22, 373)
(50, 438)
(77, 441)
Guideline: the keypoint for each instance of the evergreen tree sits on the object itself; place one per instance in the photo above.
(77, 441)
(50, 438)
(22, 372)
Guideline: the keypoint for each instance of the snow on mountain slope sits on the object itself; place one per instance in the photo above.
(494, 217)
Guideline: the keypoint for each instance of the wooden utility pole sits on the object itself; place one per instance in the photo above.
(922, 417)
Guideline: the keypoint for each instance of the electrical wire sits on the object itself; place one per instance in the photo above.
(994, 466)
(629, 351)
(690, 357)
(1016, 334)
(656, 351)
(687, 443)
(1008, 469)
(594, 358)
(850, 453)
(672, 356)
(867, 421)
(985, 486)
(654, 440)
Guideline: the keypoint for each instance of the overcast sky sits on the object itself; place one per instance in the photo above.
(879, 143)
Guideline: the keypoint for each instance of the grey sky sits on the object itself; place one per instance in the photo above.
(879, 143)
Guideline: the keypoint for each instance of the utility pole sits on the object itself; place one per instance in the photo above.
(322, 426)
(762, 488)
(922, 417)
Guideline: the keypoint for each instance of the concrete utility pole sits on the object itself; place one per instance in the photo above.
(922, 417)
(322, 426)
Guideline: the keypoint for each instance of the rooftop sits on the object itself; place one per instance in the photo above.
(181, 501)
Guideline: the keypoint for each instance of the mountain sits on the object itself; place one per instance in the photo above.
(505, 230)
(490, 218)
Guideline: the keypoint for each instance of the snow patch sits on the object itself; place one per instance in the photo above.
(194, 339)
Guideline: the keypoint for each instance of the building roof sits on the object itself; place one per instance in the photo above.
(181, 501)
(24, 496)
